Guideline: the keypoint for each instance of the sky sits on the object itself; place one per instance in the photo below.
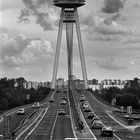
(110, 32)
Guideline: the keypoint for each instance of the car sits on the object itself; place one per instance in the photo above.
(91, 115)
(64, 98)
(95, 118)
(51, 100)
(61, 112)
(87, 109)
(63, 102)
(107, 131)
(20, 111)
(85, 105)
(97, 124)
(82, 98)
(36, 105)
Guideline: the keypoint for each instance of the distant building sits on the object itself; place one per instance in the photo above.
(60, 84)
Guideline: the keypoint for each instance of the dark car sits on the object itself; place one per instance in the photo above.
(107, 131)
(95, 118)
(82, 99)
(91, 115)
(87, 109)
(64, 98)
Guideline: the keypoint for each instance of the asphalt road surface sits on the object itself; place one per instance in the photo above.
(119, 131)
(54, 126)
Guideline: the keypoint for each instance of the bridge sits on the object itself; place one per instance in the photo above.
(64, 114)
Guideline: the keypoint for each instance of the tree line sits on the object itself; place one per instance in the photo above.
(11, 96)
(127, 96)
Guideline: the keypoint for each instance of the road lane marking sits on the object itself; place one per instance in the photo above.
(35, 125)
(54, 123)
(130, 128)
(53, 94)
(87, 125)
(99, 101)
(72, 125)
(106, 112)
(1, 119)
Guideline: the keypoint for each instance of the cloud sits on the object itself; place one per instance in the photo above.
(113, 6)
(19, 50)
(12, 45)
(113, 63)
(103, 37)
(105, 29)
(132, 40)
(108, 26)
(28, 55)
(45, 14)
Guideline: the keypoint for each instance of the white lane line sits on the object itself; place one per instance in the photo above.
(52, 131)
(53, 94)
(36, 124)
(130, 128)
(1, 119)
(31, 125)
(98, 100)
(107, 113)
(87, 124)
(117, 136)
(72, 125)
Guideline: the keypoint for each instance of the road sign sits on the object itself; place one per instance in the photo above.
(122, 108)
(113, 101)
(28, 96)
(129, 109)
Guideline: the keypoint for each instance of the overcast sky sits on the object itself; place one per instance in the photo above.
(110, 32)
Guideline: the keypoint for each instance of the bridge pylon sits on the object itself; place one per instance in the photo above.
(69, 16)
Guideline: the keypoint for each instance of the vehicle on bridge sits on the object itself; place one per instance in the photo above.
(82, 98)
(64, 98)
(85, 105)
(63, 102)
(21, 111)
(91, 115)
(87, 109)
(51, 100)
(107, 131)
(61, 112)
(97, 124)
(36, 105)
(94, 119)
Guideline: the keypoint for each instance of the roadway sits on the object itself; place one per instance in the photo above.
(63, 127)
(101, 111)
(54, 126)
(14, 119)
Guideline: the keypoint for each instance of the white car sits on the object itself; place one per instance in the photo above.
(85, 105)
(36, 105)
(63, 102)
(51, 100)
(21, 111)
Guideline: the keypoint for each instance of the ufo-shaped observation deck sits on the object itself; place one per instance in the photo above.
(69, 3)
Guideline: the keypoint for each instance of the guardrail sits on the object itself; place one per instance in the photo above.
(74, 105)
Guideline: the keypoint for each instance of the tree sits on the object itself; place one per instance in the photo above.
(4, 104)
(20, 82)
